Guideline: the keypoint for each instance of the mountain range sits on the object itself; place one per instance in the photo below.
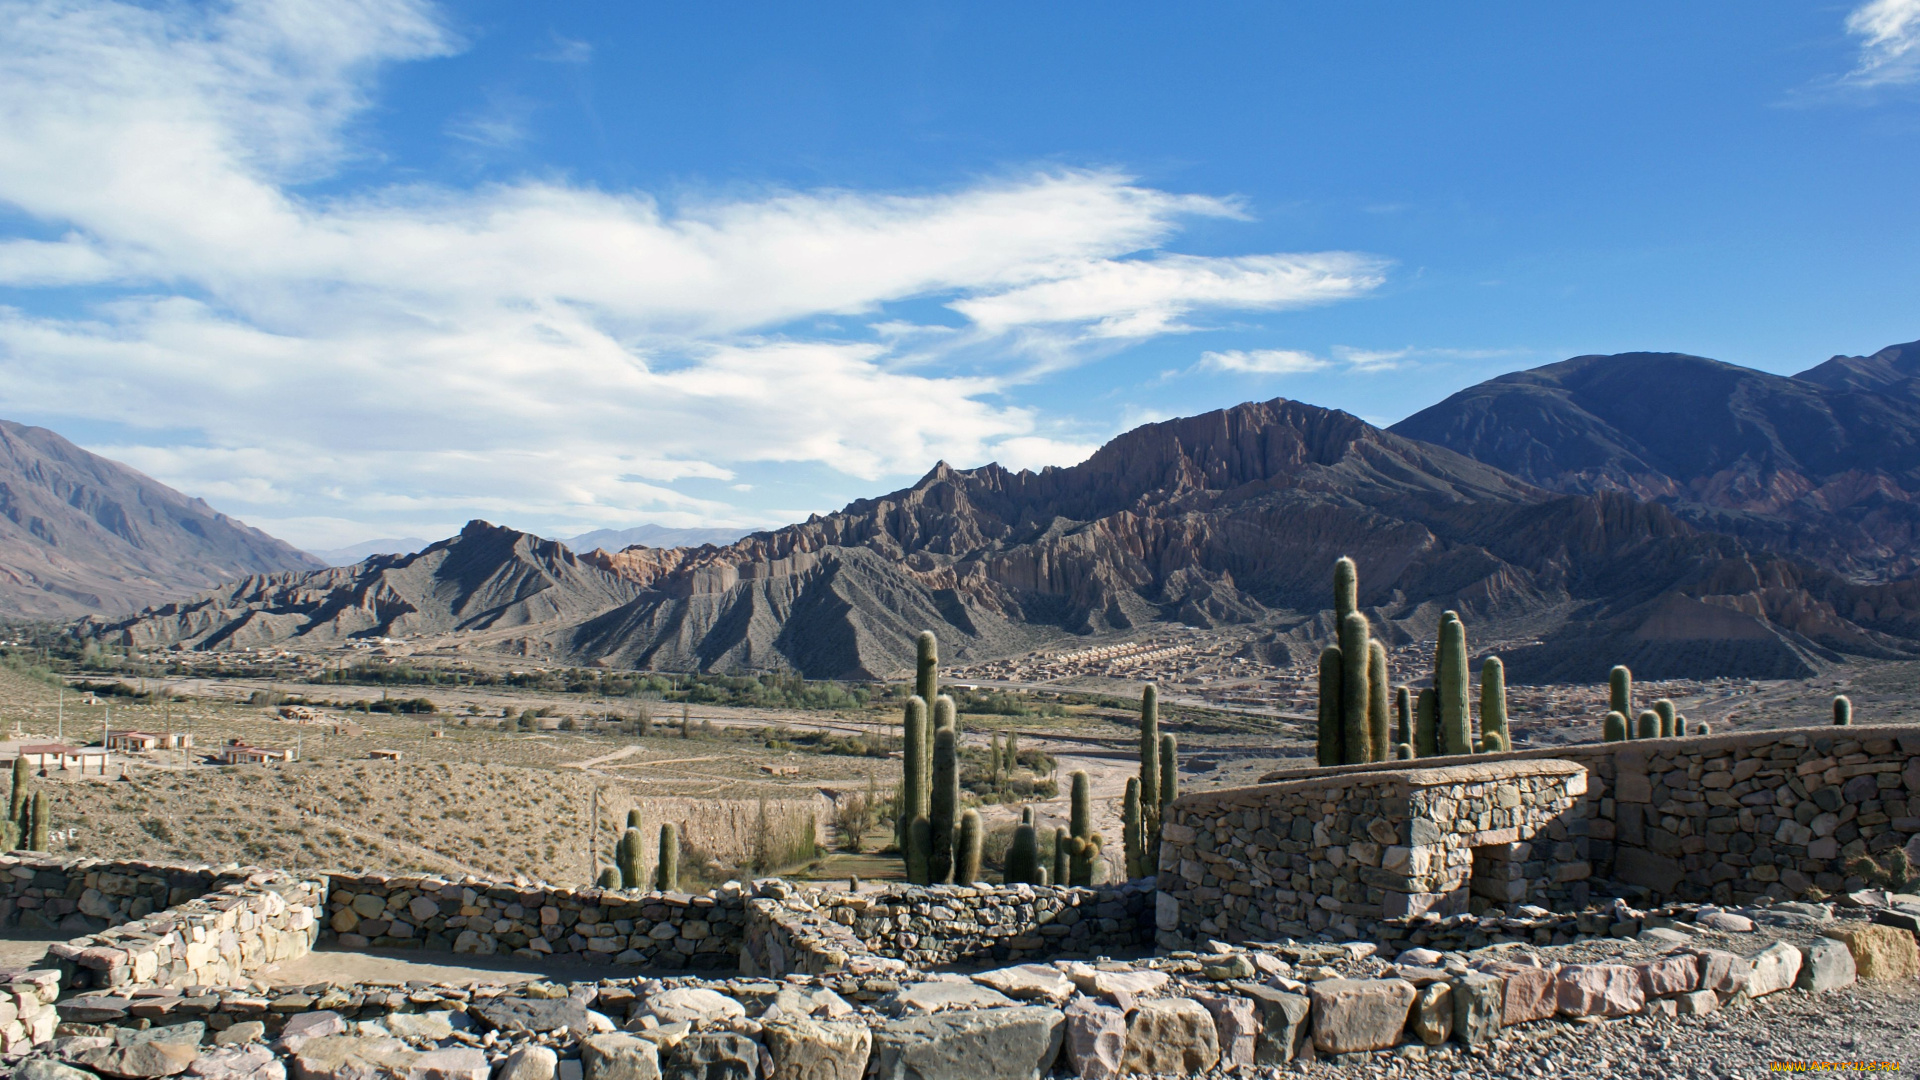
(1575, 528)
(80, 533)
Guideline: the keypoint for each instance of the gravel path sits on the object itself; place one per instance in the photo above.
(1863, 1023)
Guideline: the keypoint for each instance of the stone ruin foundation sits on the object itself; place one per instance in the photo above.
(1331, 913)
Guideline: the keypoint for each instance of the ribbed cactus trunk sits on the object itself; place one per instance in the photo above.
(1614, 728)
(919, 849)
(1329, 748)
(1169, 773)
(1664, 709)
(1023, 854)
(1842, 711)
(1130, 834)
(966, 868)
(629, 856)
(17, 806)
(926, 686)
(1062, 864)
(1013, 752)
(1649, 725)
(1493, 705)
(1080, 814)
(1426, 724)
(1346, 588)
(1403, 715)
(666, 875)
(1356, 734)
(946, 803)
(995, 762)
(609, 878)
(914, 786)
(1450, 679)
(1620, 691)
(1379, 713)
(633, 818)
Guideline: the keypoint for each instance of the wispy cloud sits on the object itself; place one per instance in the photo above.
(1890, 43)
(558, 354)
(1262, 362)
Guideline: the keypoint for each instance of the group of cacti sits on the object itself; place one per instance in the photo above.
(26, 824)
(1661, 720)
(1003, 759)
(629, 858)
(1355, 717)
(1076, 850)
(1149, 793)
(941, 842)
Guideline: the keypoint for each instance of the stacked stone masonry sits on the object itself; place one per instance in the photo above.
(1726, 819)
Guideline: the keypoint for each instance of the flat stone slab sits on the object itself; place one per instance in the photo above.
(533, 1015)
(806, 1049)
(693, 1005)
(1018, 1043)
(926, 998)
(1029, 982)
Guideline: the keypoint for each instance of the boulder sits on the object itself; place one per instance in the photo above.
(453, 1063)
(1826, 964)
(148, 1058)
(351, 1057)
(1096, 1037)
(1029, 982)
(1237, 1025)
(529, 1063)
(1432, 1018)
(311, 1025)
(1773, 969)
(245, 1031)
(1722, 972)
(516, 1015)
(926, 998)
(431, 1026)
(49, 1069)
(1018, 1043)
(1598, 990)
(242, 1061)
(1115, 984)
(695, 1005)
(805, 1049)
(1170, 1035)
(1283, 1023)
(714, 1055)
(1352, 1015)
(1697, 1003)
(1725, 921)
(618, 1057)
(1528, 993)
(1674, 973)
(191, 1033)
(1477, 1005)
(811, 1001)
(1879, 952)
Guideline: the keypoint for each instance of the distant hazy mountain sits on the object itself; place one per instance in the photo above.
(1824, 465)
(1232, 516)
(80, 534)
(354, 553)
(656, 536)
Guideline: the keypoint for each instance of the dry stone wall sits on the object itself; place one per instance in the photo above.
(43, 892)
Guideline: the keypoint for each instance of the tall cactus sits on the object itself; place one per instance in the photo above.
(633, 818)
(1426, 724)
(1614, 728)
(22, 792)
(1346, 588)
(1130, 834)
(946, 801)
(1665, 710)
(1493, 704)
(666, 875)
(1403, 715)
(1023, 854)
(1842, 711)
(1379, 727)
(1013, 752)
(914, 789)
(1356, 694)
(1649, 725)
(1330, 742)
(1169, 777)
(966, 869)
(919, 848)
(1080, 816)
(40, 821)
(629, 855)
(1620, 691)
(1450, 684)
(926, 686)
(1062, 861)
(994, 762)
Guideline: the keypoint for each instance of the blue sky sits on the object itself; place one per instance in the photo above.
(372, 267)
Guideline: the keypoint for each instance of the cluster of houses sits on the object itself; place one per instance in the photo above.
(49, 758)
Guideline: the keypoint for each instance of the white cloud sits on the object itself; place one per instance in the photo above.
(555, 354)
(1262, 362)
(1372, 359)
(1890, 49)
